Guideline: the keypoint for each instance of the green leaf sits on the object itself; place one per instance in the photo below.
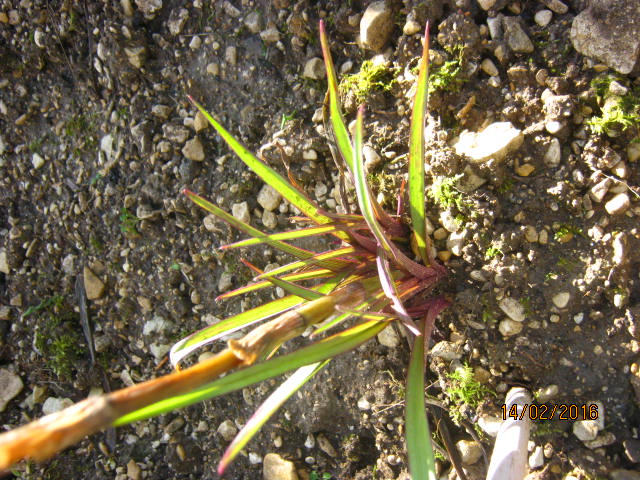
(418, 436)
(340, 131)
(416, 156)
(319, 351)
(267, 409)
(266, 173)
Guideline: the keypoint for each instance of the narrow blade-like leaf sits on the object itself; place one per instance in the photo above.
(418, 436)
(267, 409)
(319, 351)
(340, 132)
(416, 156)
(266, 173)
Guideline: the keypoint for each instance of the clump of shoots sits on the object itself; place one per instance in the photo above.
(371, 278)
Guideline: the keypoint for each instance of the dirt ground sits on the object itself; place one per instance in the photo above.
(97, 143)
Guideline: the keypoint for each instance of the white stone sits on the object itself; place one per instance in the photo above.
(193, 150)
(274, 467)
(376, 25)
(363, 403)
(159, 350)
(254, 458)
(513, 309)
(554, 126)
(618, 204)
(553, 154)
(149, 7)
(620, 170)
(543, 17)
(37, 161)
(470, 451)
(10, 386)
(530, 234)
(619, 248)
(561, 299)
(157, 324)
(241, 211)
(536, 459)
(314, 69)
(585, 430)
(496, 141)
(227, 430)
(411, 27)
(269, 198)
(547, 393)
(508, 327)
(53, 405)
(252, 22)
(195, 42)
(371, 158)
(456, 242)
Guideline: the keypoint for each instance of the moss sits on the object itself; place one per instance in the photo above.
(447, 77)
(371, 77)
(618, 112)
(444, 191)
(465, 389)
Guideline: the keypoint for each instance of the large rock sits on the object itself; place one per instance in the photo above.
(376, 26)
(274, 467)
(496, 141)
(609, 31)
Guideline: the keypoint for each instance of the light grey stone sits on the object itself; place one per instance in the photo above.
(494, 142)
(598, 191)
(269, 198)
(516, 37)
(513, 309)
(376, 26)
(136, 55)
(193, 150)
(225, 282)
(557, 6)
(547, 393)
(252, 22)
(157, 324)
(269, 219)
(470, 451)
(389, 337)
(227, 430)
(561, 299)
(456, 242)
(176, 21)
(609, 31)
(508, 327)
(53, 405)
(314, 69)
(585, 430)
(447, 351)
(241, 211)
(553, 155)
(10, 386)
(543, 17)
(490, 424)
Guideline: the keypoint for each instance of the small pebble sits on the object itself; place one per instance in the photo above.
(489, 67)
(513, 309)
(618, 204)
(470, 451)
(543, 17)
(561, 299)
(508, 327)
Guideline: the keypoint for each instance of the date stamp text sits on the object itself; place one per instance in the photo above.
(561, 411)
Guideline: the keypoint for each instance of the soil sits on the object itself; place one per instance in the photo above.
(95, 116)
